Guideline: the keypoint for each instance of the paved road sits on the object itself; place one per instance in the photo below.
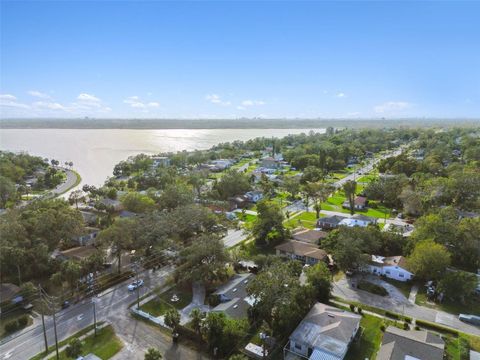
(234, 237)
(67, 184)
(112, 306)
(399, 304)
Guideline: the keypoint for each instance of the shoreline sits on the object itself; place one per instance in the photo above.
(168, 124)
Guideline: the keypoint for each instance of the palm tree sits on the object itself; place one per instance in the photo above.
(350, 188)
(196, 316)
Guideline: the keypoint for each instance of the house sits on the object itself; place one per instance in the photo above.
(309, 236)
(8, 292)
(270, 163)
(360, 203)
(238, 202)
(220, 164)
(325, 333)
(87, 237)
(404, 230)
(304, 252)
(254, 196)
(116, 205)
(400, 344)
(393, 267)
(89, 217)
(77, 253)
(330, 222)
(160, 161)
(234, 300)
(358, 220)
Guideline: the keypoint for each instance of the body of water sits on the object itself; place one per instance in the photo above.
(95, 152)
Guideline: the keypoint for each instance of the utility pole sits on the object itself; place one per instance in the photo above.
(55, 331)
(94, 300)
(43, 321)
(138, 287)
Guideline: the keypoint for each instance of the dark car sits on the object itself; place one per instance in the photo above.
(65, 304)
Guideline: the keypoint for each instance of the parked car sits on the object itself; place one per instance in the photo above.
(471, 319)
(65, 304)
(135, 285)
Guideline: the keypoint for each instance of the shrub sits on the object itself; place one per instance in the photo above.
(74, 348)
(352, 307)
(213, 300)
(417, 327)
(22, 321)
(11, 326)
(408, 320)
(359, 309)
(435, 327)
(392, 315)
(382, 328)
(371, 287)
(406, 326)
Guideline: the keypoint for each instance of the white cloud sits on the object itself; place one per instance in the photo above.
(215, 99)
(137, 103)
(7, 97)
(38, 94)
(239, 107)
(252, 102)
(48, 105)
(391, 106)
(84, 97)
(341, 95)
(8, 100)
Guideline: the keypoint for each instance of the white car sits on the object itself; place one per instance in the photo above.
(135, 285)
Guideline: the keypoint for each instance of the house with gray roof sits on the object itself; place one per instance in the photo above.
(233, 297)
(330, 222)
(324, 334)
(400, 344)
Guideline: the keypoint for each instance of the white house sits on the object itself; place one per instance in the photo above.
(325, 333)
(160, 161)
(393, 267)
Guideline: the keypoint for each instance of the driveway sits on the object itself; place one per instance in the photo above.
(198, 302)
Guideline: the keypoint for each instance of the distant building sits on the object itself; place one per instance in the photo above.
(360, 203)
(8, 292)
(238, 202)
(330, 222)
(304, 252)
(116, 205)
(400, 344)
(358, 220)
(88, 236)
(324, 334)
(234, 300)
(160, 161)
(77, 253)
(309, 236)
(269, 162)
(393, 267)
(254, 196)
(220, 164)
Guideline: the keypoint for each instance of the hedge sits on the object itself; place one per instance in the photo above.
(436, 327)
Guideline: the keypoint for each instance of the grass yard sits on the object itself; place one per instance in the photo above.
(472, 307)
(105, 345)
(162, 303)
(367, 179)
(248, 218)
(305, 219)
(368, 344)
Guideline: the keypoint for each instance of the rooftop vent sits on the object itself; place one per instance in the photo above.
(234, 289)
(235, 306)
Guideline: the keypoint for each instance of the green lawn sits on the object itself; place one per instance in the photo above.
(305, 219)
(367, 179)
(105, 345)
(162, 303)
(367, 345)
(248, 218)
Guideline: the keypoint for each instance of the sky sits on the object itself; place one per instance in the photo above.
(226, 59)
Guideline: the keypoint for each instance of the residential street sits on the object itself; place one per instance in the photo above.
(398, 303)
(112, 306)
